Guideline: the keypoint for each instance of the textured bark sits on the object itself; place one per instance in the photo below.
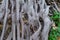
(5, 19)
(29, 18)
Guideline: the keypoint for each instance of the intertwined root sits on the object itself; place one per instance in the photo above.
(24, 20)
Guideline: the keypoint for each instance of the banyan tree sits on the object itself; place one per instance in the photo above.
(24, 20)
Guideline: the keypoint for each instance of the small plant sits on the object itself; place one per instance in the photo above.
(54, 33)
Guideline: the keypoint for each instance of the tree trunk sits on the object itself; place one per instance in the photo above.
(29, 19)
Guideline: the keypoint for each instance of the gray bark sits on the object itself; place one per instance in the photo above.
(25, 15)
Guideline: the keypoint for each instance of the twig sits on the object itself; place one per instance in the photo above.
(22, 24)
(13, 21)
(9, 36)
(56, 6)
(17, 13)
(35, 35)
(5, 20)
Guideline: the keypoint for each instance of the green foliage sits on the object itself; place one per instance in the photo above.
(55, 33)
